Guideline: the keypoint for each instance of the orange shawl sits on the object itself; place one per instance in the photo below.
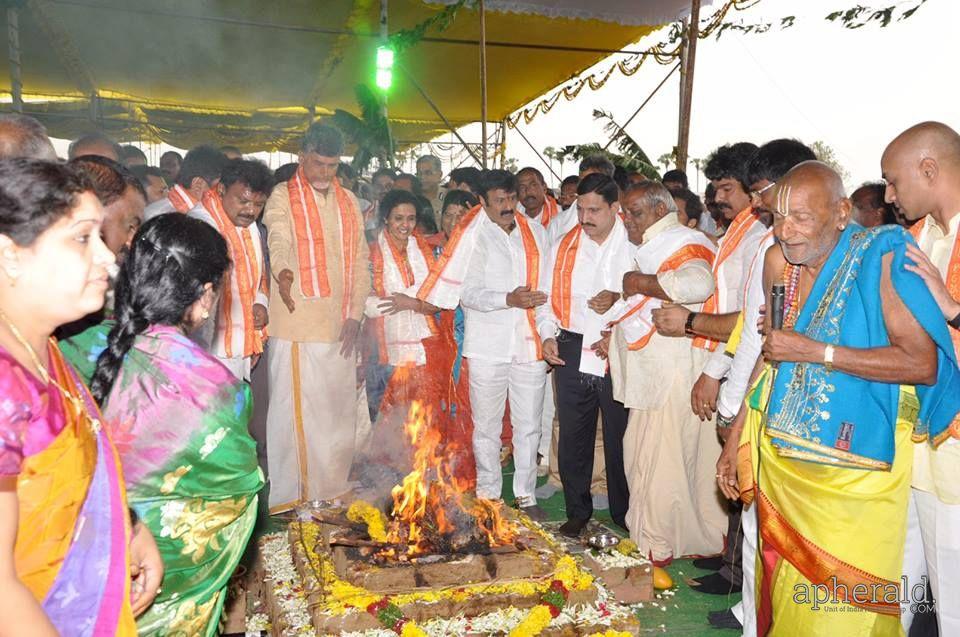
(181, 198)
(731, 241)
(245, 273)
(308, 235)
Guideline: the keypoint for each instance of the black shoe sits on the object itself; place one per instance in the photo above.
(714, 584)
(714, 563)
(572, 527)
(724, 619)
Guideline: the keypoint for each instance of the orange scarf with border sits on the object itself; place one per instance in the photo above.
(309, 238)
(181, 198)
(243, 277)
(731, 241)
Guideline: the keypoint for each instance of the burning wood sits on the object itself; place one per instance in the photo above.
(433, 511)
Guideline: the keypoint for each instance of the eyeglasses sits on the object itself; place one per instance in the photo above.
(756, 194)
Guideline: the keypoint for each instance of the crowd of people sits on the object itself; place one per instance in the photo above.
(767, 376)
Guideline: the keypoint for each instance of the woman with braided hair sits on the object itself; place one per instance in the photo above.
(179, 418)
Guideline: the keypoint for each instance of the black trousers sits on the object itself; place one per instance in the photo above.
(580, 397)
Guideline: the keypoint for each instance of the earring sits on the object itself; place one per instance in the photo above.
(13, 276)
(205, 315)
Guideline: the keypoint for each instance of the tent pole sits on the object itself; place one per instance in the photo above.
(384, 38)
(483, 80)
(686, 83)
(436, 110)
(13, 38)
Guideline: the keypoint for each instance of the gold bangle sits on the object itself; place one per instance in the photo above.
(828, 357)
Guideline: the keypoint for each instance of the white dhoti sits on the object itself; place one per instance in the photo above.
(311, 423)
(491, 385)
(670, 457)
(939, 525)
(239, 366)
(746, 610)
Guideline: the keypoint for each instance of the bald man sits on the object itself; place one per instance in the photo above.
(94, 144)
(922, 170)
(834, 458)
(23, 136)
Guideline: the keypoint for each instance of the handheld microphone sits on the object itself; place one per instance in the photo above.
(777, 298)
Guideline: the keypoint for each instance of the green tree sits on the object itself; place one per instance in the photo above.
(369, 133)
(827, 155)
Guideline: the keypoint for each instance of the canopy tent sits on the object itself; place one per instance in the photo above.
(254, 74)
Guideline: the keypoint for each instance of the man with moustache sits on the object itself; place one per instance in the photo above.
(568, 219)
(589, 262)
(538, 205)
(494, 265)
(669, 456)
(318, 259)
(922, 172)
(535, 202)
(769, 164)
(727, 170)
(238, 329)
(827, 439)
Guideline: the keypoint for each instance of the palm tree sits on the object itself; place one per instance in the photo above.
(370, 132)
(631, 156)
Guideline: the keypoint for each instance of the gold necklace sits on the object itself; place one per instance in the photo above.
(74, 401)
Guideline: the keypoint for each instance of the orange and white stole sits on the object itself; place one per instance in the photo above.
(729, 243)
(181, 198)
(668, 251)
(952, 277)
(561, 294)
(236, 335)
(443, 284)
(308, 235)
(395, 270)
(550, 211)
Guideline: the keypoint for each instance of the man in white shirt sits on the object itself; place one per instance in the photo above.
(771, 162)
(236, 335)
(568, 218)
(922, 170)
(587, 275)
(539, 206)
(727, 170)
(199, 172)
(496, 270)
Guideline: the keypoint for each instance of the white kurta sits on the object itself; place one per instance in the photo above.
(669, 455)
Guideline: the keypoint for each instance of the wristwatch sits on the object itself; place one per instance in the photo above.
(688, 327)
(955, 322)
(828, 357)
(723, 422)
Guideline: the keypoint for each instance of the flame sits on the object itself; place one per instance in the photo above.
(430, 496)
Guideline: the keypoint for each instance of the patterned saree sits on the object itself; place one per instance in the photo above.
(180, 418)
(71, 549)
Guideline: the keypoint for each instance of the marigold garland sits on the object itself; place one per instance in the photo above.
(534, 623)
(364, 512)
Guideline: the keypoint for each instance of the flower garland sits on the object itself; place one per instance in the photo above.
(344, 597)
(364, 512)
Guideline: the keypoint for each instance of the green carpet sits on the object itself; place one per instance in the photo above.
(680, 611)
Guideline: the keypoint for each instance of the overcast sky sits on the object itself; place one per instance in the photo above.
(853, 89)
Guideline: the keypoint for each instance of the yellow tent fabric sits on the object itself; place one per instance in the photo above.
(253, 74)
